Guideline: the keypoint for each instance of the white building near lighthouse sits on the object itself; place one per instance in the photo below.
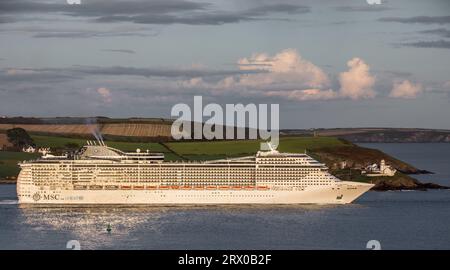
(382, 170)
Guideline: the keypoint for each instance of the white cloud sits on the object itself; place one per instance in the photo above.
(194, 82)
(287, 66)
(15, 71)
(105, 93)
(357, 83)
(287, 75)
(405, 89)
(302, 95)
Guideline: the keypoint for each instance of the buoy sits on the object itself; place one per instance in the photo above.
(108, 228)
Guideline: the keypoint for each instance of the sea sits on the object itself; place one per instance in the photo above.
(381, 220)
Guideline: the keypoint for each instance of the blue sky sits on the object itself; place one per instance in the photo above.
(327, 63)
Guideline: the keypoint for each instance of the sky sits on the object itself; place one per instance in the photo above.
(326, 63)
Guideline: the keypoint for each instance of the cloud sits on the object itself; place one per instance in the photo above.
(440, 31)
(208, 18)
(357, 82)
(27, 75)
(289, 76)
(4, 19)
(287, 66)
(76, 72)
(105, 93)
(438, 44)
(363, 8)
(100, 7)
(405, 89)
(303, 95)
(91, 34)
(286, 75)
(64, 30)
(418, 19)
(156, 72)
(151, 12)
(119, 51)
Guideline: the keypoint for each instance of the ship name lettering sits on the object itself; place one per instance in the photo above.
(51, 197)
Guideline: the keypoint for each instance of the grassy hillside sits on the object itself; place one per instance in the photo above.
(218, 149)
(60, 142)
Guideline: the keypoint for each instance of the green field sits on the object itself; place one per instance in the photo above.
(9, 160)
(220, 149)
(60, 142)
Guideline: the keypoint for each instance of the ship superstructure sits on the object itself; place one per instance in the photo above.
(98, 174)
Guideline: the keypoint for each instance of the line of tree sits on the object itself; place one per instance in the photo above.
(19, 138)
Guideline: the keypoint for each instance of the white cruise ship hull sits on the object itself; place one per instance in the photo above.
(341, 193)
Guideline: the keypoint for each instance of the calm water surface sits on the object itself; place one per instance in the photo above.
(399, 220)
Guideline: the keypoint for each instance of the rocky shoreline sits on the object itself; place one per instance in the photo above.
(418, 187)
(7, 182)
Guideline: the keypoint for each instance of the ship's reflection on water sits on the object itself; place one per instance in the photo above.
(149, 227)
(89, 225)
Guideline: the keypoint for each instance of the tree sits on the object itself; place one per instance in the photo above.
(19, 138)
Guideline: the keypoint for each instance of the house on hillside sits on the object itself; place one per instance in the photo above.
(29, 149)
(381, 170)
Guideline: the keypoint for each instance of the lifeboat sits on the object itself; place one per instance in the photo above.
(95, 187)
(125, 187)
(111, 187)
(236, 187)
(138, 187)
(186, 187)
(211, 187)
(151, 187)
(249, 187)
(78, 187)
(199, 187)
(174, 187)
(224, 187)
(163, 187)
(262, 187)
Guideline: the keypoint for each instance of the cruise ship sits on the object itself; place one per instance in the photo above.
(98, 174)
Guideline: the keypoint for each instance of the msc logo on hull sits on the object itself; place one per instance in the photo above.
(48, 197)
(36, 197)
